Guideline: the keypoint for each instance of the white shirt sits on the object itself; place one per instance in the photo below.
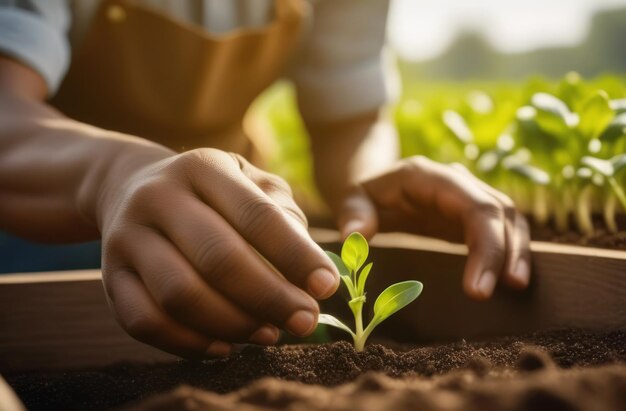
(338, 73)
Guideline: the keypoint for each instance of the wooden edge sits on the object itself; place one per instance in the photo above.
(324, 235)
(51, 277)
(415, 242)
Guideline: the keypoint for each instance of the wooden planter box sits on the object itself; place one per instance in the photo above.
(60, 320)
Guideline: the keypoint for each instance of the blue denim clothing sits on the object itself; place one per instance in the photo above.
(18, 255)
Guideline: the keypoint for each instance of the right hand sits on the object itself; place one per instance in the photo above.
(202, 249)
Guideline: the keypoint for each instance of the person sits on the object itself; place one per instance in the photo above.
(139, 142)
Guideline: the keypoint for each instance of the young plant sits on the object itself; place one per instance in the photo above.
(609, 170)
(354, 275)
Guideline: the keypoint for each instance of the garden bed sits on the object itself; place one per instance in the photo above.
(560, 370)
(58, 342)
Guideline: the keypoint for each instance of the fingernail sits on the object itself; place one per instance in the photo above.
(301, 323)
(322, 282)
(219, 349)
(486, 283)
(522, 272)
(266, 335)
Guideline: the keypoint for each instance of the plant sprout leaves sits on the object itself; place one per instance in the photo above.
(488, 161)
(343, 270)
(618, 106)
(457, 125)
(354, 251)
(534, 174)
(395, 298)
(365, 272)
(552, 115)
(619, 163)
(333, 322)
(595, 115)
(347, 280)
(603, 167)
(518, 163)
(615, 130)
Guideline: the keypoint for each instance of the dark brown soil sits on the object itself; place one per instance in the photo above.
(560, 370)
(600, 238)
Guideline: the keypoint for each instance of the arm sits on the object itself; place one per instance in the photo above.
(346, 152)
(192, 242)
(52, 168)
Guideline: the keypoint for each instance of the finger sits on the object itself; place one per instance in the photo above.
(233, 268)
(268, 228)
(179, 291)
(139, 315)
(358, 214)
(517, 267)
(277, 189)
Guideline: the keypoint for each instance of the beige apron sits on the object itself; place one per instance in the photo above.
(141, 72)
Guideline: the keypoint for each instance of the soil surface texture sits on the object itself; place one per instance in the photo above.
(558, 370)
(600, 238)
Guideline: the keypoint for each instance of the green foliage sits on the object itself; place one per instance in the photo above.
(354, 252)
(549, 146)
(527, 140)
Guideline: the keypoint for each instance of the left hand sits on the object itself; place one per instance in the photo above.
(420, 196)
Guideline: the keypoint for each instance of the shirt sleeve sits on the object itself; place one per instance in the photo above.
(34, 32)
(339, 67)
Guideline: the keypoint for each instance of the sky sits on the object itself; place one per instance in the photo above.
(422, 29)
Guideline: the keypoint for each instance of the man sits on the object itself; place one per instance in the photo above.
(192, 237)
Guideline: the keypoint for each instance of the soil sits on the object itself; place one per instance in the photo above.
(600, 238)
(558, 370)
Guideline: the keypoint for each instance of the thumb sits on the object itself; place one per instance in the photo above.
(357, 213)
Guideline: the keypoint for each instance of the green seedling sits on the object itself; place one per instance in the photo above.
(354, 275)
(608, 171)
(553, 148)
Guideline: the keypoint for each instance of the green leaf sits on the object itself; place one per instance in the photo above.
(458, 126)
(365, 272)
(334, 322)
(619, 106)
(595, 115)
(395, 298)
(603, 167)
(354, 251)
(347, 280)
(615, 130)
(553, 116)
(343, 270)
(518, 163)
(619, 163)
(534, 174)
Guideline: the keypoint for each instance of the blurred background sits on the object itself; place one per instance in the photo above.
(502, 39)
(451, 54)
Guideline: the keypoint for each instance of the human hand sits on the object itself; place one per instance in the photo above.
(189, 242)
(421, 196)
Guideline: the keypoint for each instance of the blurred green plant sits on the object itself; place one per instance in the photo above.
(557, 148)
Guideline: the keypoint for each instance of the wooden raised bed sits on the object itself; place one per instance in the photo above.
(60, 320)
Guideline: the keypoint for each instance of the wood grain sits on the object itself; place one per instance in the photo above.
(50, 321)
(61, 320)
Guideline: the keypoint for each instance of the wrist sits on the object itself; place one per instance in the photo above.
(121, 157)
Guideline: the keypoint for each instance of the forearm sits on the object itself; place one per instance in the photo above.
(350, 151)
(53, 170)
